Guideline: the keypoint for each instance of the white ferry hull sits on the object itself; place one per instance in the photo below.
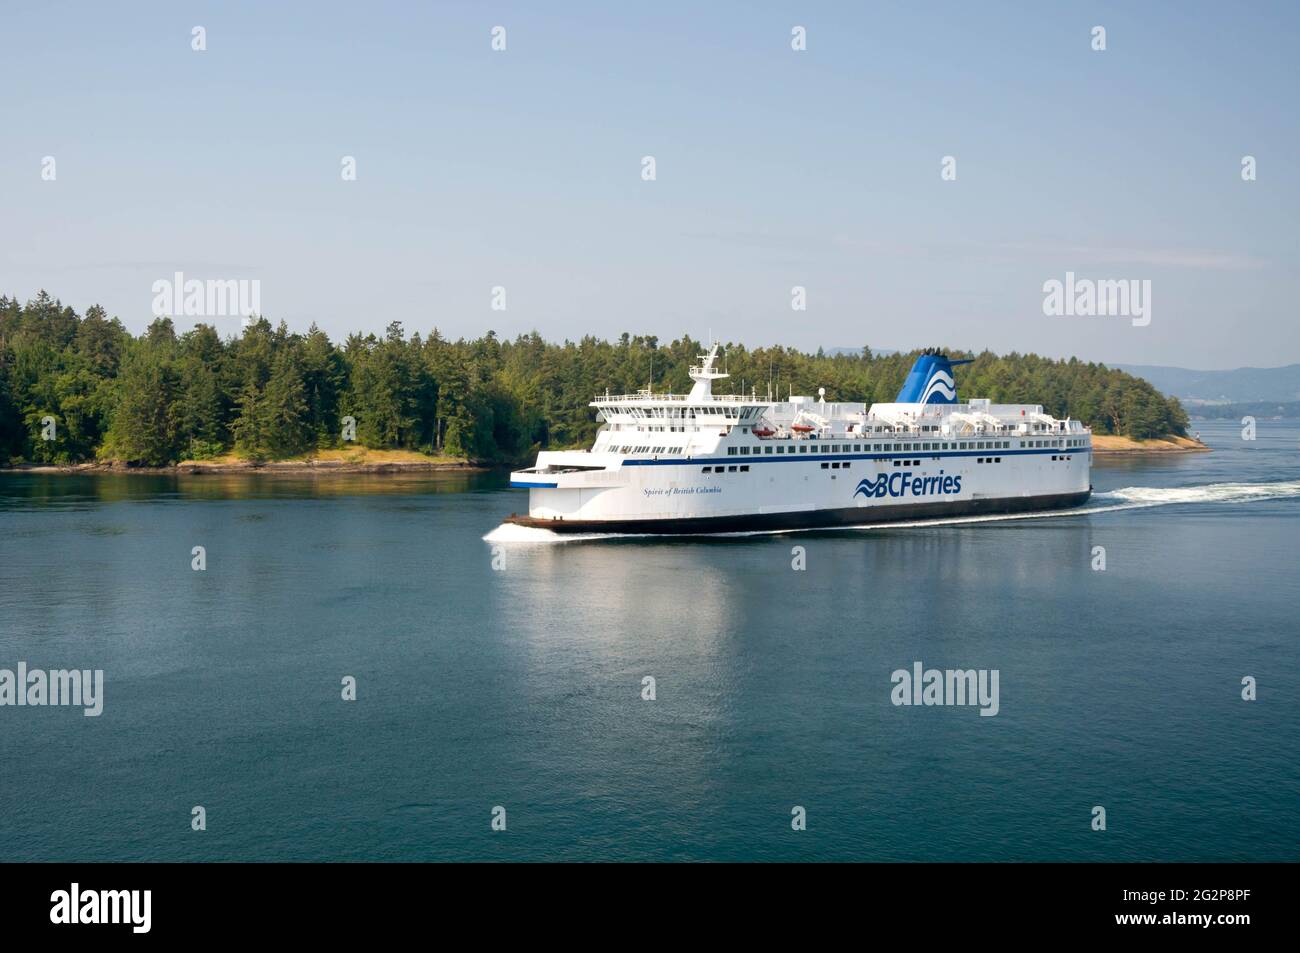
(657, 496)
(705, 463)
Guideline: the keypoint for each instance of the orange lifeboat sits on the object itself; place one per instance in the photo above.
(763, 431)
(803, 428)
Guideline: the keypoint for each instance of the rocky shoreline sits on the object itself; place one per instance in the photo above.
(1108, 445)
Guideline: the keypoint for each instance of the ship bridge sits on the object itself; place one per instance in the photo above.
(681, 413)
(647, 425)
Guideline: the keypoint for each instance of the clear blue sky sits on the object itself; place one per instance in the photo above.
(775, 168)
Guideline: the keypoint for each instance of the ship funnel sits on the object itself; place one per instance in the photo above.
(930, 380)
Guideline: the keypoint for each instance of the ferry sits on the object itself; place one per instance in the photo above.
(714, 463)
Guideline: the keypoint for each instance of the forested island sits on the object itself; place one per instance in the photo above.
(81, 388)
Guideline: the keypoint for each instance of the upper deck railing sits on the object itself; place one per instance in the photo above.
(677, 399)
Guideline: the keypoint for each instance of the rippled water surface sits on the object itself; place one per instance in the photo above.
(521, 686)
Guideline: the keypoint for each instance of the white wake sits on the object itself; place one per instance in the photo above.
(1126, 498)
(513, 533)
(1210, 493)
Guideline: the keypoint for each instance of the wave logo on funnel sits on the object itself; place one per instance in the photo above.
(941, 385)
(930, 381)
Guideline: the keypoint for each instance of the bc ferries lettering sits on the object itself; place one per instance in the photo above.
(904, 483)
(680, 490)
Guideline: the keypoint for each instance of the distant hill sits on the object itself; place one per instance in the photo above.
(1262, 391)
(1242, 385)
(1261, 408)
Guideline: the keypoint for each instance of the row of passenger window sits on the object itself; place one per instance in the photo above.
(642, 449)
(777, 448)
(744, 467)
(814, 447)
(835, 465)
(845, 465)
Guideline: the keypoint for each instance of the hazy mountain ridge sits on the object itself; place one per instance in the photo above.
(1240, 385)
